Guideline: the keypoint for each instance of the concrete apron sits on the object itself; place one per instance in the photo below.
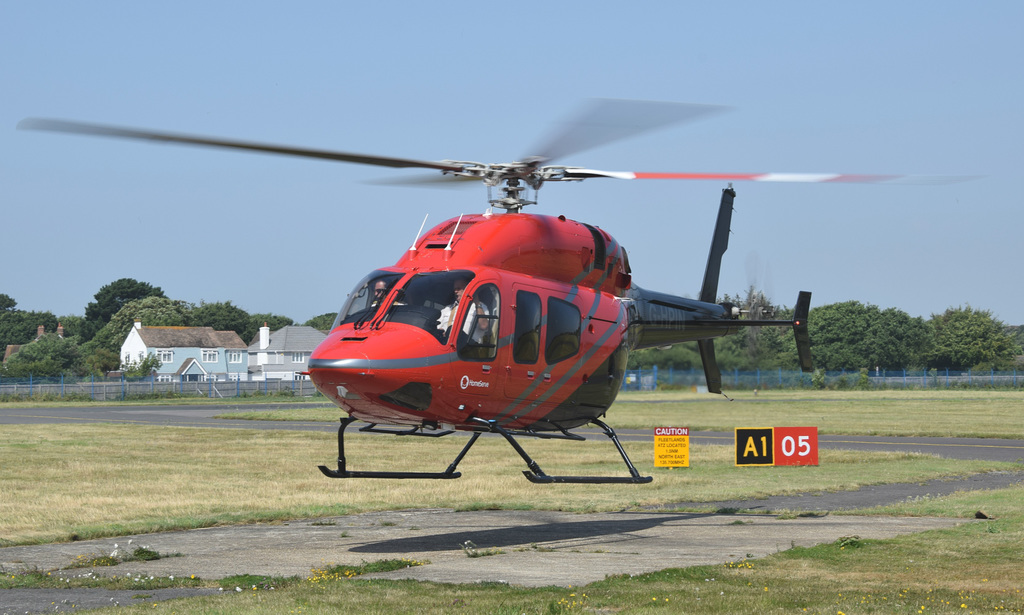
(537, 548)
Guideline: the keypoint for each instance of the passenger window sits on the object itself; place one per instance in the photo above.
(563, 338)
(478, 338)
(526, 346)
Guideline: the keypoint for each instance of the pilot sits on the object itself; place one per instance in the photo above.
(380, 290)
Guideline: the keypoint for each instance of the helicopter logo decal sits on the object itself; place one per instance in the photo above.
(465, 383)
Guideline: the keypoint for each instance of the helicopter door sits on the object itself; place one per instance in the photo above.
(477, 341)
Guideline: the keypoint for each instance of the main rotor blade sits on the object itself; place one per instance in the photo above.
(573, 173)
(428, 181)
(604, 120)
(167, 137)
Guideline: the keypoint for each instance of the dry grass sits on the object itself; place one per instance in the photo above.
(62, 481)
(951, 413)
(948, 413)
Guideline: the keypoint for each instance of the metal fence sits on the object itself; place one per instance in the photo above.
(667, 377)
(103, 389)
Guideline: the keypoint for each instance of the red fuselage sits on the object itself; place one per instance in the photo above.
(537, 340)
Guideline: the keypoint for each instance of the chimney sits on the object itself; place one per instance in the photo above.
(40, 331)
(264, 337)
(138, 324)
(60, 330)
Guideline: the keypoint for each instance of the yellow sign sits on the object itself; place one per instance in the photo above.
(671, 447)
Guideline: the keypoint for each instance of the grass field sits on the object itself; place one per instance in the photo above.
(945, 413)
(60, 482)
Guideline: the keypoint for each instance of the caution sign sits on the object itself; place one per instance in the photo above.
(755, 446)
(776, 446)
(671, 447)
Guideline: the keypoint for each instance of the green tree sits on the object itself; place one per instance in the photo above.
(322, 322)
(18, 327)
(102, 361)
(968, 338)
(73, 325)
(151, 311)
(111, 298)
(896, 340)
(222, 316)
(852, 335)
(838, 339)
(143, 368)
(50, 355)
(7, 303)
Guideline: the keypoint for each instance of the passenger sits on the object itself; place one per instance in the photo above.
(444, 322)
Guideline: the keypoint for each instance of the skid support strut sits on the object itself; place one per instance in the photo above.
(342, 472)
(536, 475)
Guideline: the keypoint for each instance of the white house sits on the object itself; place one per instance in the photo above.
(188, 353)
(282, 354)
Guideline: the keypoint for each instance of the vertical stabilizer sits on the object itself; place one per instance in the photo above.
(719, 244)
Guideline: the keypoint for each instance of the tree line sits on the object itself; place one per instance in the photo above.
(852, 335)
(92, 343)
(849, 335)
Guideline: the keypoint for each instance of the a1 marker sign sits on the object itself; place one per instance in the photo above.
(754, 446)
(796, 446)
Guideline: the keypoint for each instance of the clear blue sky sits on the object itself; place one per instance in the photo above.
(867, 87)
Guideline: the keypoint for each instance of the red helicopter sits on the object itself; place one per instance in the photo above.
(515, 324)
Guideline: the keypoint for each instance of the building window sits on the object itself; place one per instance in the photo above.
(234, 377)
(165, 356)
(298, 357)
(210, 356)
(163, 378)
(234, 356)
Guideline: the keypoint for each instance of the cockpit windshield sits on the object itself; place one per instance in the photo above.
(430, 301)
(366, 299)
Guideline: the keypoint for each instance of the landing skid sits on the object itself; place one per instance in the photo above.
(535, 474)
(342, 472)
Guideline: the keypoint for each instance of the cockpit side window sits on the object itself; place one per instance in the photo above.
(364, 301)
(478, 337)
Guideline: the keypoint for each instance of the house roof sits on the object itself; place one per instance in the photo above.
(187, 367)
(293, 338)
(189, 337)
